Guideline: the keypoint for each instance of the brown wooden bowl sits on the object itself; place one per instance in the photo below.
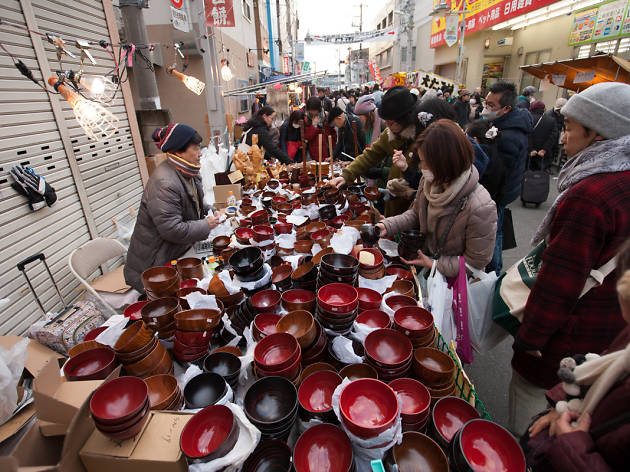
(135, 356)
(304, 246)
(198, 320)
(231, 349)
(84, 346)
(315, 226)
(403, 287)
(358, 371)
(300, 324)
(133, 338)
(165, 365)
(231, 300)
(190, 268)
(432, 366)
(146, 365)
(159, 278)
(159, 313)
(281, 273)
(306, 271)
(163, 389)
(220, 243)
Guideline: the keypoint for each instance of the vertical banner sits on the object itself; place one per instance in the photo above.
(285, 65)
(451, 30)
(375, 71)
(299, 51)
(220, 13)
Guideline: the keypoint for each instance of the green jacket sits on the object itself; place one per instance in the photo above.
(380, 153)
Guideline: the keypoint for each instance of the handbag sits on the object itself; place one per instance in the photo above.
(509, 238)
(515, 285)
(243, 147)
(292, 148)
(460, 313)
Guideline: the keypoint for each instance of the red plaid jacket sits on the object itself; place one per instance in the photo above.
(590, 224)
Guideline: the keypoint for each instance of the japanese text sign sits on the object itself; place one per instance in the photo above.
(220, 13)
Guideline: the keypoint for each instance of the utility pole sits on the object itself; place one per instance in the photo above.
(360, 26)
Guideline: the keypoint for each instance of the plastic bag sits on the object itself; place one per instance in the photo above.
(12, 363)
(439, 303)
(342, 347)
(343, 241)
(485, 334)
(232, 286)
(380, 285)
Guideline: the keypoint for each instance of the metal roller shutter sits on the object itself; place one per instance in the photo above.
(107, 171)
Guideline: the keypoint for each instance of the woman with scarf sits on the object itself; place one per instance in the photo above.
(583, 230)
(456, 214)
(172, 214)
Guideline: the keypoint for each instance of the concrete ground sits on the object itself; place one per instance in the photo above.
(490, 373)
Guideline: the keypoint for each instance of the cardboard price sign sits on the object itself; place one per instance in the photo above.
(220, 13)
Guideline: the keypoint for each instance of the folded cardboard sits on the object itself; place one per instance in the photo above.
(33, 453)
(221, 193)
(57, 400)
(50, 429)
(156, 448)
(111, 282)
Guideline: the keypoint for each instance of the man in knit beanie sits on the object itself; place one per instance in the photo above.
(582, 230)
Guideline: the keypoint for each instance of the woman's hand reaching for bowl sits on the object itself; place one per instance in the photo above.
(422, 260)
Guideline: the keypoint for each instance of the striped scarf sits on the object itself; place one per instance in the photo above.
(186, 168)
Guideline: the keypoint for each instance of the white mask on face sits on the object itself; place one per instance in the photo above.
(296, 125)
(473, 101)
(428, 175)
(489, 115)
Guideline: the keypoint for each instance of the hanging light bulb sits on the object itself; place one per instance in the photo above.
(292, 87)
(100, 88)
(226, 72)
(193, 84)
(298, 89)
(96, 121)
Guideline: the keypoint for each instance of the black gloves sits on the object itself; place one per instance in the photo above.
(32, 186)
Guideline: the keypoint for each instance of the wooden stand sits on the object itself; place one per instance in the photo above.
(330, 153)
(303, 147)
(319, 164)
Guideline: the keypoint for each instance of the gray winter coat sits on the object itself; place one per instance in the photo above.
(169, 222)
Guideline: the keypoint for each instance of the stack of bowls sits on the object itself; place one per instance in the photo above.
(338, 268)
(371, 263)
(92, 364)
(303, 246)
(448, 416)
(368, 407)
(281, 276)
(271, 405)
(191, 267)
(338, 221)
(242, 315)
(403, 287)
(193, 332)
(278, 354)
(315, 396)
(400, 271)
(209, 435)
(204, 390)
(395, 302)
(225, 364)
(247, 264)
(410, 242)
(316, 367)
(121, 407)
(134, 310)
(301, 325)
(368, 299)
(164, 392)
(182, 292)
(481, 444)
(358, 371)
(219, 244)
(374, 319)
(436, 370)
(260, 217)
(298, 299)
(282, 227)
(415, 402)
(264, 234)
(323, 447)
(417, 448)
(270, 455)
(315, 352)
(389, 352)
(337, 307)
(160, 282)
(417, 324)
(304, 277)
(321, 237)
(266, 301)
(243, 235)
(264, 324)
(140, 352)
(159, 315)
(327, 212)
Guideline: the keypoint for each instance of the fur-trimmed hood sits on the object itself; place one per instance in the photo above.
(408, 133)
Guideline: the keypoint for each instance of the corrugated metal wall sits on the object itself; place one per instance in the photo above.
(108, 170)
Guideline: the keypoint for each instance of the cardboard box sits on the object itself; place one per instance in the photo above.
(50, 429)
(57, 400)
(37, 357)
(156, 448)
(221, 194)
(33, 452)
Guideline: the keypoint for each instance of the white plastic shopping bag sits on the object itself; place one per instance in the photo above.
(485, 334)
(439, 303)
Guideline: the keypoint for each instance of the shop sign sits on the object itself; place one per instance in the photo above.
(451, 29)
(285, 64)
(375, 71)
(483, 14)
(220, 13)
(306, 66)
(599, 23)
(586, 76)
(180, 20)
(559, 79)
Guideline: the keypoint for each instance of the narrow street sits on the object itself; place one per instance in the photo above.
(490, 373)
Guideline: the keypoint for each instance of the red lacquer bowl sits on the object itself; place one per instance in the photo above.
(119, 400)
(338, 298)
(388, 348)
(374, 319)
(316, 391)
(323, 447)
(368, 407)
(276, 351)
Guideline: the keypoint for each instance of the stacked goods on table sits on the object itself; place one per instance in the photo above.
(331, 360)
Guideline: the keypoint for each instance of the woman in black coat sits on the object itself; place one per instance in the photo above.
(260, 124)
(345, 133)
(543, 138)
(290, 140)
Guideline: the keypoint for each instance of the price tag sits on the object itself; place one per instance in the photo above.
(235, 176)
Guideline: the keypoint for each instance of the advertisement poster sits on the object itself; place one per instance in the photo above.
(451, 29)
(603, 22)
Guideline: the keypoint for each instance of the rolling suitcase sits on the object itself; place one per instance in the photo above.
(71, 325)
(535, 186)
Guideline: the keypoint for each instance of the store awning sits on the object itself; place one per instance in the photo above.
(283, 80)
(587, 71)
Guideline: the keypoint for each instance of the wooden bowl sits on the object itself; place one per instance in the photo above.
(432, 366)
(163, 389)
(303, 247)
(159, 278)
(147, 364)
(358, 371)
(300, 324)
(220, 243)
(417, 448)
(84, 346)
(198, 320)
(134, 338)
(190, 268)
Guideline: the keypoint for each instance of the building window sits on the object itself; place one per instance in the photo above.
(413, 54)
(624, 45)
(403, 55)
(584, 51)
(534, 57)
(384, 22)
(390, 18)
(247, 10)
(607, 47)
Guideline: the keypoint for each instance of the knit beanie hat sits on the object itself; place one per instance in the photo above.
(603, 108)
(364, 105)
(397, 102)
(173, 137)
(537, 105)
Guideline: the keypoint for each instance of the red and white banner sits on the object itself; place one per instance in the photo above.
(220, 13)
(483, 14)
(376, 72)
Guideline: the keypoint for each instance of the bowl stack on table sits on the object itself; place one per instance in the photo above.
(164, 392)
(448, 416)
(417, 324)
(315, 396)
(209, 435)
(264, 238)
(417, 448)
(301, 325)
(243, 235)
(358, 371)
(217, 288)
(338, 268)
(92, 364)
(281, 276)
(226, 364)
(271, 455)
(271, 404)
(278, 354)
(120, 407)
(371, 263)
(159, 315)
(204, 390)
(436, 370)
(182, 292)
(191, 267)
(305, 276)
(337, 306)
(415, 403)
(400, 271)
(264, 324)
(368, 299)
(140, 352)
(323, 447)
(193, 331)
(248, 266)
(374, 318)
(389, 352)
(161, 282)
(403, 287)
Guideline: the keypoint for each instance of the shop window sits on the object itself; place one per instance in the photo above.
(584, 51)
(247, 10)
(624, 45)
(390, 18)
(243, 101)
(606, 47)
